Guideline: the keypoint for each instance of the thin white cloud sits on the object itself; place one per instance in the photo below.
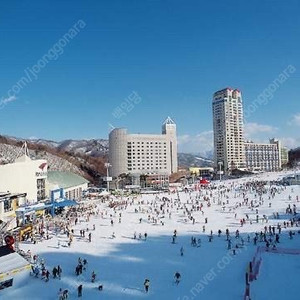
(200, 143)
(5, 101)
(203, 142)
(252, 130)
(295, 120)
(290, 142)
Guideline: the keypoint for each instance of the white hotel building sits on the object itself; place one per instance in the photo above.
(144, 154)
(228, 130)
(263, 157)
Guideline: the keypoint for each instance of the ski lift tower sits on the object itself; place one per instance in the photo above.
(220, 163)
(108, 179)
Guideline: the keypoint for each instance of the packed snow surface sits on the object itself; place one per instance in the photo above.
(209, 270)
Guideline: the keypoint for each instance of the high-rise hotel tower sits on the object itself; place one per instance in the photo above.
(229, 147)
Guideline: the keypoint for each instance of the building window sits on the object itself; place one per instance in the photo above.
(41, 191)
(7, 205)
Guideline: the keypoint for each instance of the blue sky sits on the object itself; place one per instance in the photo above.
(174, 54)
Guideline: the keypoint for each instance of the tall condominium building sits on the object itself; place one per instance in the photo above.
(144, 153)
(229, 148)
(284, 156)
(263, 157)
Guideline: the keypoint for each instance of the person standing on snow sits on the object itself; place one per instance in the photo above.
(147, 285)
(174, 239)
(47, 275)
(60, 294)
(59, 272)
(79, 290)
(54, 272)
(65, 295)
(181, 251)
(177, 277)
(93, 277)
(85, 264)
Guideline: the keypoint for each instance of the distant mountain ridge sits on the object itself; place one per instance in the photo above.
(97, 149)
(100, 147)
(72, 159)
(193, 160)
(93, 147)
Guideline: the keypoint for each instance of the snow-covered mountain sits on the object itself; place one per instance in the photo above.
(100, 148)
(207, 154)
(61, 156)
(8, 154)
(48, 143)
(97, 148)
(192, 160)
(204, 159)
(94, 147)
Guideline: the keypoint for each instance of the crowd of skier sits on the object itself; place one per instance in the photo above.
(232, 199)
